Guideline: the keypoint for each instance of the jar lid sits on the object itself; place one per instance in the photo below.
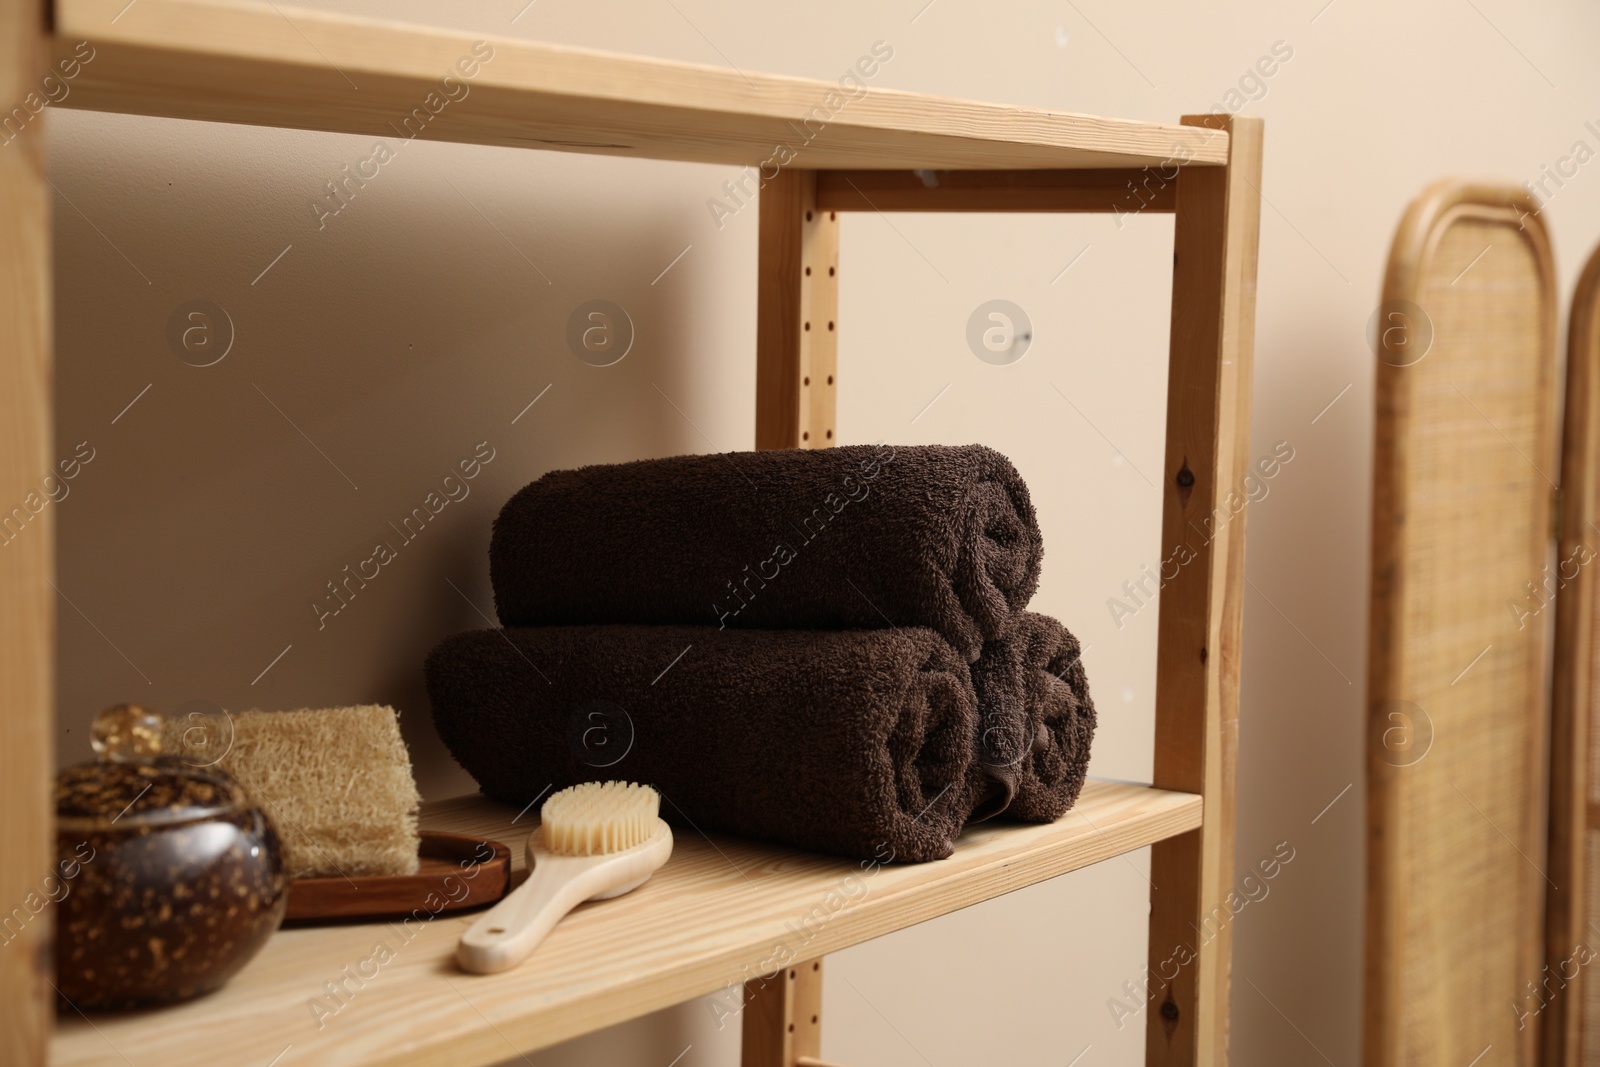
(132, 784)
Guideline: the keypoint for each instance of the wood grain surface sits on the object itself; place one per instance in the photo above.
(720, 913)
(797, 312)
(1125, 191)
(284, 65)
(443, 860)
(1197, 658)
(27, 556)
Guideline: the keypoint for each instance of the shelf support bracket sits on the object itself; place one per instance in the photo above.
(783, 1018)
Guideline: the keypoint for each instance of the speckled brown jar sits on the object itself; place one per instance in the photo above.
(172, 880)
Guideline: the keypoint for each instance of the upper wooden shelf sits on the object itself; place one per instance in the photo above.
(279, 65)
(721, 911)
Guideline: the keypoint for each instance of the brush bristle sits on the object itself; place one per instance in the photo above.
(598, 818)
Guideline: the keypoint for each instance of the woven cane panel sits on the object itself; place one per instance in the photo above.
(1476, 441)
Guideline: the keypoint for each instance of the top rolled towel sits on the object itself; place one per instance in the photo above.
(855, 537)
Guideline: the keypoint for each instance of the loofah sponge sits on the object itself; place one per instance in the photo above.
(336, 782)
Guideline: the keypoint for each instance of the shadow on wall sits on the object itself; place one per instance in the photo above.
(278, 511)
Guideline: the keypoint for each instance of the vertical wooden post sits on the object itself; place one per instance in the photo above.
(27, 620)
(1197, 663)
(797, 350)
(783, 1018)
(796, 316)
(1572, 698)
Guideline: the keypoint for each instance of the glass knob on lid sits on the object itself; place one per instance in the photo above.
(127, 733)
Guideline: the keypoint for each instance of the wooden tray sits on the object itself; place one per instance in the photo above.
(457, 872)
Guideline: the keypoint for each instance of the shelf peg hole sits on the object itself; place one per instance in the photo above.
(813, 1020)
(830, 379)
(830, 272)
(817, 966)
(806, 436)
(808, 326)
(833, 216)
(806, 380)
(808, 216)
(830, 327)
(830, 435)
(808, 272)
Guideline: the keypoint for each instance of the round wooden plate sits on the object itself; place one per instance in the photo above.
(456, 873)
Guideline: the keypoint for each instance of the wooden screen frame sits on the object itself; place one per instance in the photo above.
(1211, 348)
(1425, 222)
(1573, 693)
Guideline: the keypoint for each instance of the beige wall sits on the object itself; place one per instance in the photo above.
(422, 318)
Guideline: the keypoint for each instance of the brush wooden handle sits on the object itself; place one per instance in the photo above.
(507, 933)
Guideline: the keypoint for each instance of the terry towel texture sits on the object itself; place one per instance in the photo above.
(856, 743)
(1035, 725)
(854, 537)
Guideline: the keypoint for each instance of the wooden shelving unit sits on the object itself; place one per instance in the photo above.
(714, 915)
(722, 911)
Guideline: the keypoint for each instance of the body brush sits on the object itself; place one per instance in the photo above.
(595, 841)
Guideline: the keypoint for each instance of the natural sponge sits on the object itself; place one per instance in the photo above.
(336, 782)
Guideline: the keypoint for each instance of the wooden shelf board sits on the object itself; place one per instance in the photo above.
(721, 911)
(280, 65)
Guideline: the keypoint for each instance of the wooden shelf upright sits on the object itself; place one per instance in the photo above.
(698, 926)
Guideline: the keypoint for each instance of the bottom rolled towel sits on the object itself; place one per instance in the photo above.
(1035, 723)
(856, 743)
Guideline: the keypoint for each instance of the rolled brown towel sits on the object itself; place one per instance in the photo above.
(855, 743)
(855, 537)
(1035, 723)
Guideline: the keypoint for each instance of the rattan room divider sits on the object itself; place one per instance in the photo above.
(1566, 991)
(1459, 645)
